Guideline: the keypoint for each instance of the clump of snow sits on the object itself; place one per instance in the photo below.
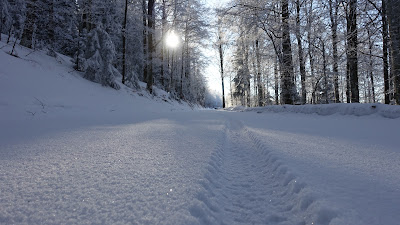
(388, 111)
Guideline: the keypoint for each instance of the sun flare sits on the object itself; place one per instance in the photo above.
(172, 40)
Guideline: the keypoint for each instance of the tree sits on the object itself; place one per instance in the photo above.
(31, 19)
(333, 14)
(5, 16)
(393, 12)
(163, 36)
(241, 79)
(150, 47)
(260, 85)
(301, 55)
(385, 49)
(288, 88)
(124, 42)
(99, 54)
(65, 27)
(352, 43)
(221, 59)
(144, 39)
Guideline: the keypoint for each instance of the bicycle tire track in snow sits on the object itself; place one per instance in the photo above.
(246, 184)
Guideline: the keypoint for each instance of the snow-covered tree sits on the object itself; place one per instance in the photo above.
(30, 23)
(5, 16)
(76, 28)
(65, 27)
(99, 55)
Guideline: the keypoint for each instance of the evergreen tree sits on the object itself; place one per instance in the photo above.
(99, 55)
(17, 10)
(30, 24)
(5, 16)
(65, 27)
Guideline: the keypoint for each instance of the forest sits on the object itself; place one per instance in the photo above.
(117, 39)
(310, 51)
(106, 118)
(268, 51)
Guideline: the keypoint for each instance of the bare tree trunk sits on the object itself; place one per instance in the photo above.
(311, 58)
(348, 85)
(288, 88)
(325, 75)
(230, 88)
(367, 89)
(352, 50)
(182, 73)
(276, 81)
(310, 52)
(266, 95)
(260, 85)
(247, 73)
(145, 67)
(391, 72)
(255, 86)
(187, 61)
(9, 34)
(124, 42)
(301, 55)
(171, 83)
(221, 62)
(1, 22)
(163, 25)
(393, 12)
(371, 66)
(385, 53)
(151, 49)
(333, 12)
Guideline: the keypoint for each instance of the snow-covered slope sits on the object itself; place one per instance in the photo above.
(39, 89)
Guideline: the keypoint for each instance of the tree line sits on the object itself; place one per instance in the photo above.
(310, 51)
(117, 39)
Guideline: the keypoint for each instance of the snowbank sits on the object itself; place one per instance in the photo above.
(34, 85)
(388, 111)
(40, 94)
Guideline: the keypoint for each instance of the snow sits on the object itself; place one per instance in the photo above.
(350, 164)
(388, 111)
(74, 152)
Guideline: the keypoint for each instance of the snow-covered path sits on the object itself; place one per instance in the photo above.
(245, 184)
(204, 167)
(351, 164)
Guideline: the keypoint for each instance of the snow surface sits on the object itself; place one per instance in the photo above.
(74, 152)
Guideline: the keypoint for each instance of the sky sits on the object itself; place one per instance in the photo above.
(212, 71)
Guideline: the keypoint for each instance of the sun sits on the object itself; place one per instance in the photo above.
(172, 40)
